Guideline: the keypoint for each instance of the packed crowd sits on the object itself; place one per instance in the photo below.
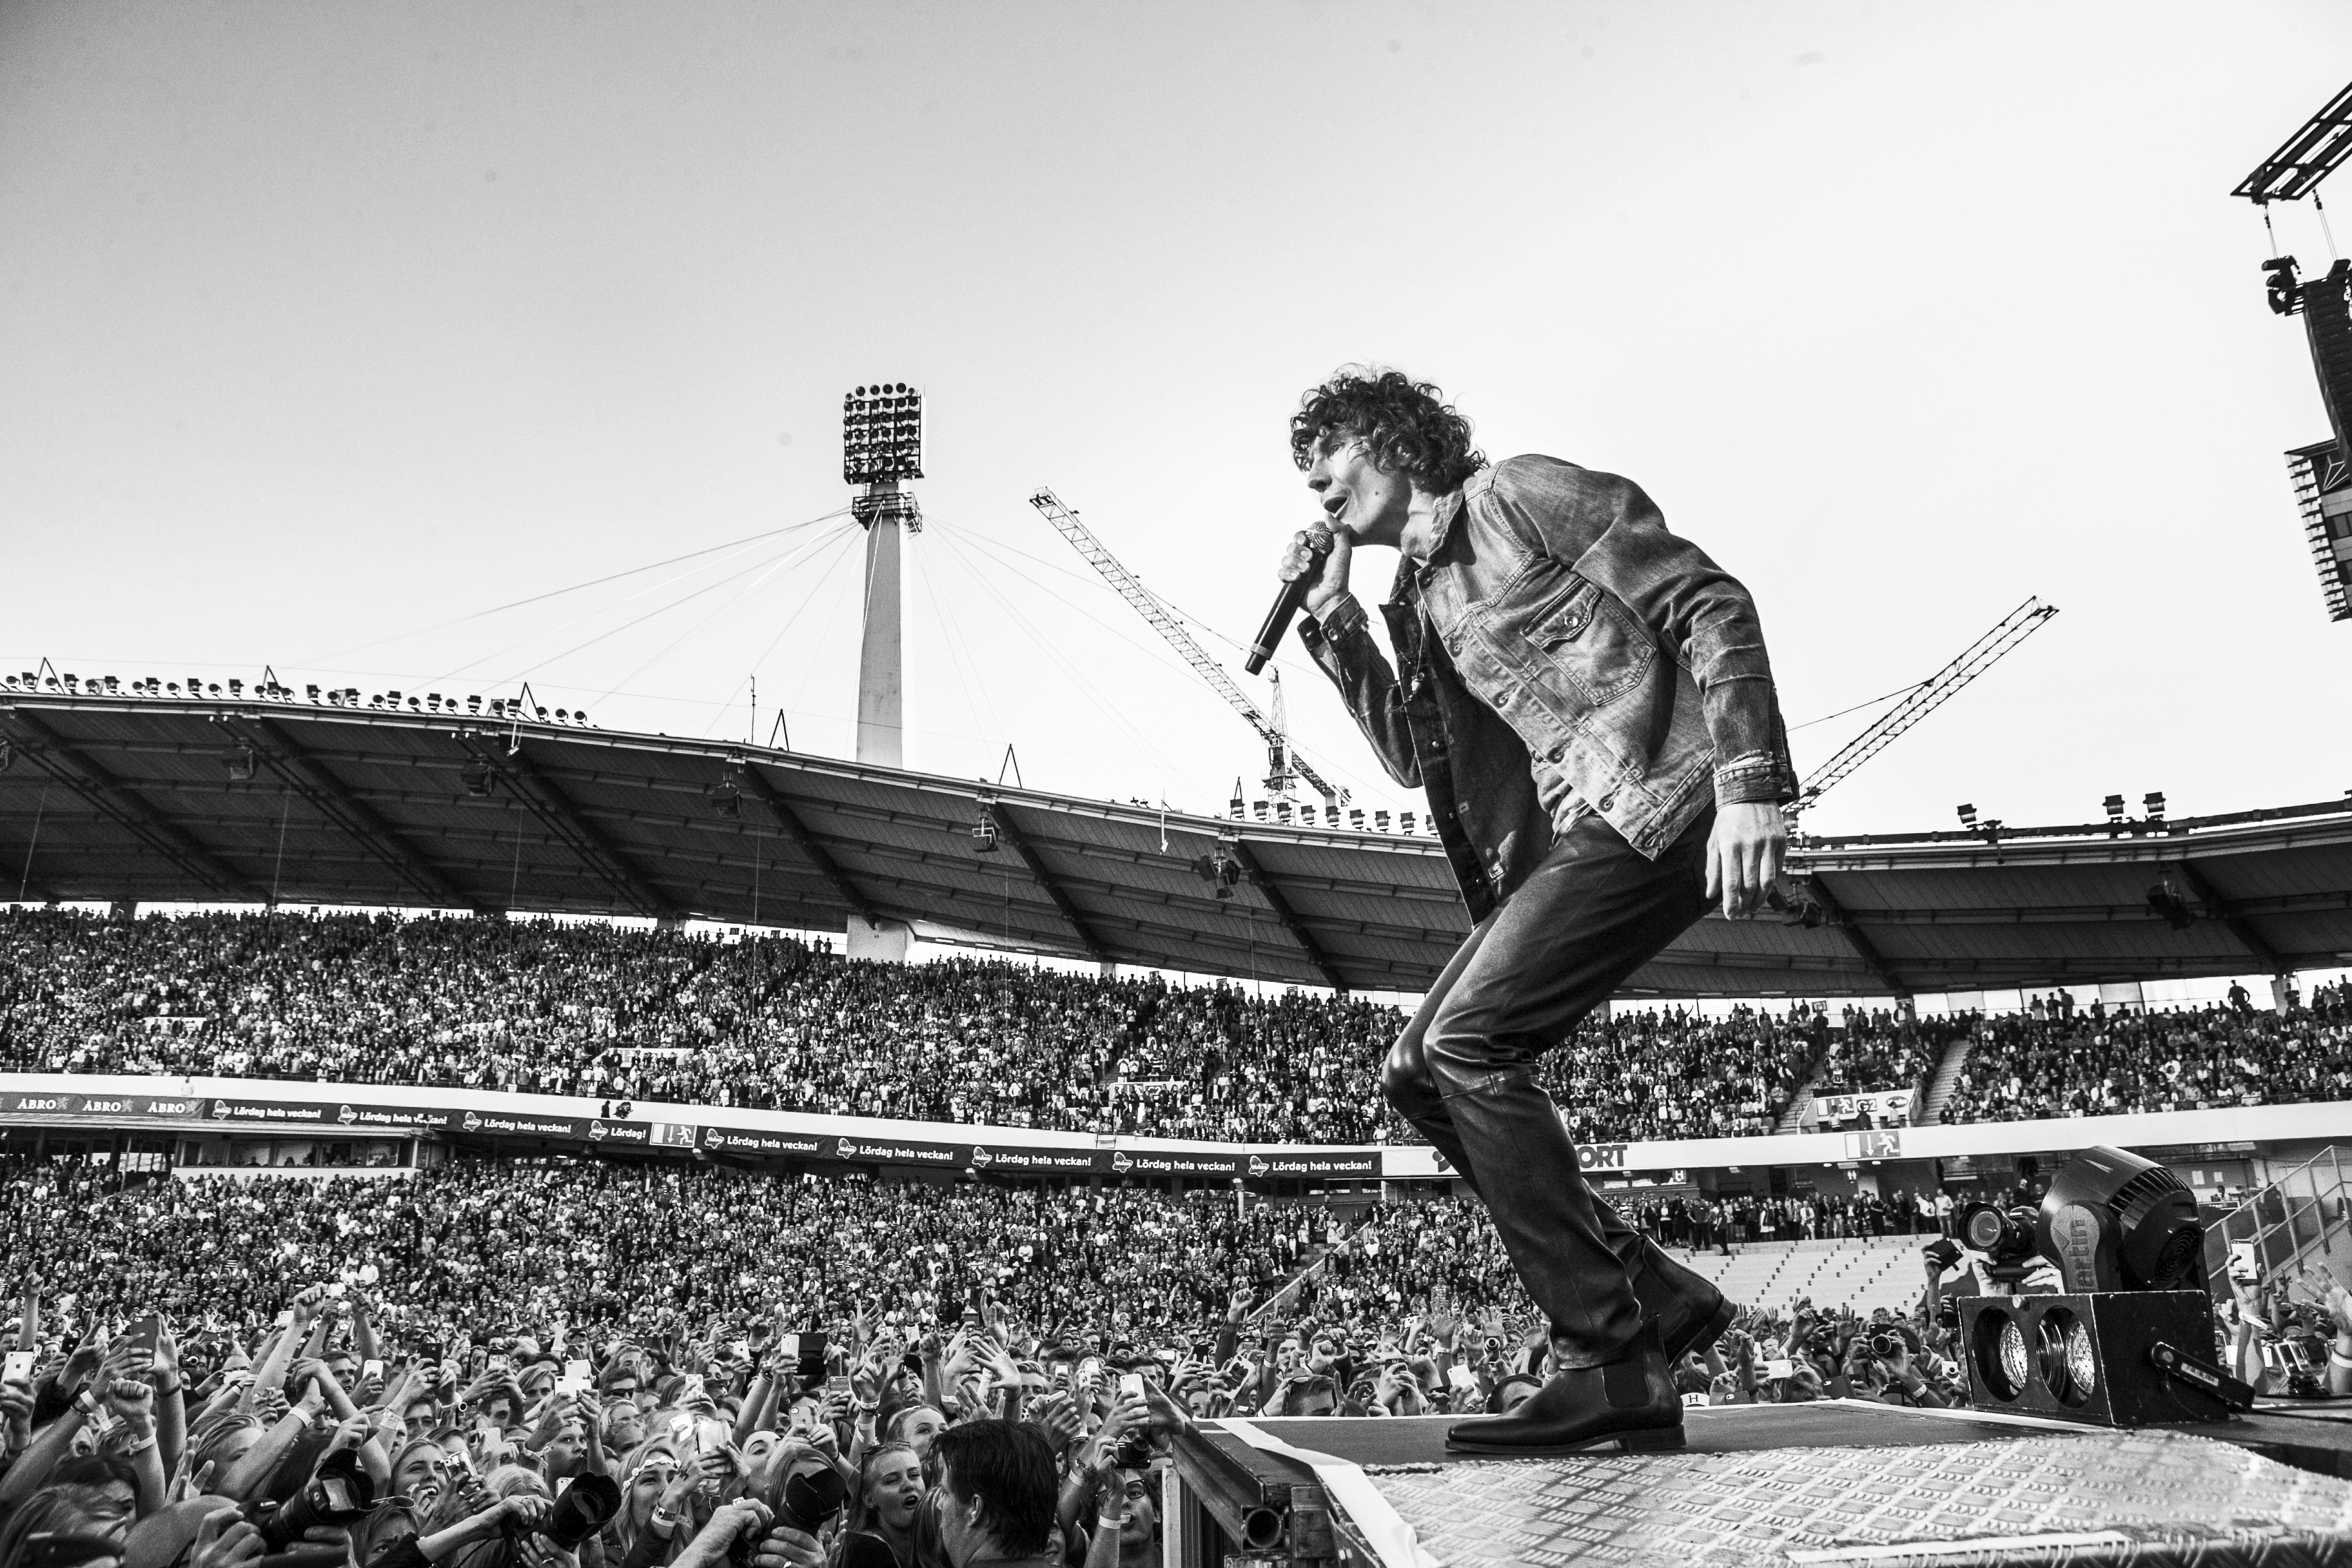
(591, 1366)
(584, 1364)
(2095, 1062)
(1699, 1221)
(1876, 1049)
(617, 1013)
(1675, 1074)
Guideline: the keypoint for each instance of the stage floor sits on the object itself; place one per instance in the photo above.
(1815, 1486)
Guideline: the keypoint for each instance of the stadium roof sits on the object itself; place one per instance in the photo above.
(160, 799)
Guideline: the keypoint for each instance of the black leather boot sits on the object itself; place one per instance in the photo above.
(1691, 1313)
(1629, 1403)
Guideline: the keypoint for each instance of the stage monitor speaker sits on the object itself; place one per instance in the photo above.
(2100, 1357)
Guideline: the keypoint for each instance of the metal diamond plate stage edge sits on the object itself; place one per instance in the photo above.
(2102, 1497)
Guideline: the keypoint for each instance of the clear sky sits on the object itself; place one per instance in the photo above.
(324, 326)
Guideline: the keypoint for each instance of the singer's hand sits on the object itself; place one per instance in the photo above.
(1743, 855)
(1331, 578)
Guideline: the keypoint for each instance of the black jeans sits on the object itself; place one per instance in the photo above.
(1463, 1070)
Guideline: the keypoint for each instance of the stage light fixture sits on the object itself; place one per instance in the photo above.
(2115, 805)
(2129, 1358)
(1221, 871)
(242, 764)
(2170, 905)
(983, 833)
(2279, 285)
(726, 797)
(1968, 817)
(478, 778)
(2153, 801)
(474, 702)
(2114, 1220)
(2124, 1343)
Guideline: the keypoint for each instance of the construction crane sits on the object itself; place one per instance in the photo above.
(1927, 696)
(1283, 763)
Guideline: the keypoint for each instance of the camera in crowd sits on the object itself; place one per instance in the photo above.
(584, 1507)
(2005, 1235)
(337, 1492)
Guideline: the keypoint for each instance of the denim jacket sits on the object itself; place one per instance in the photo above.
(1556, 618)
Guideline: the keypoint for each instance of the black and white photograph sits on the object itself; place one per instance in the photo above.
(1044, 784)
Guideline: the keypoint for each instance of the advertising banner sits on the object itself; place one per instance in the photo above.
(1162, 1163)
(100, 1105)
(514, 1124)
(744, 1141)
(892, 1151)
(1318, 1163)
(400, 1118)
(272, 1113)
(1019, 1161)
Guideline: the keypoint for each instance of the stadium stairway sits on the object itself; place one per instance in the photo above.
(1798, 1111)
(1927, 1111)
(1860, 1272)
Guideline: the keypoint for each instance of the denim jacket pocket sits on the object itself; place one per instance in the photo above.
(1592, 639)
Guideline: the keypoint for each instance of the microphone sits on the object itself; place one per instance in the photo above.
(1288, 601)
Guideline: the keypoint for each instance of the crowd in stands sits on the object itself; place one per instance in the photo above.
(2057, 1060)
(617, 1013)
(1878, 1051)
(1674, 1074)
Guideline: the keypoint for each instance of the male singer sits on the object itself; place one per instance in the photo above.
(1586, 699)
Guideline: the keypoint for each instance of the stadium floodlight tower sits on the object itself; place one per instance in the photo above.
(881, 448)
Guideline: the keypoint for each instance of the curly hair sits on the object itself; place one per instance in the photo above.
(1408, 426)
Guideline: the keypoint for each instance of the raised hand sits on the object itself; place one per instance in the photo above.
(134, 1402)
(1056, 1415)
(225, 1539)
(784, 1547)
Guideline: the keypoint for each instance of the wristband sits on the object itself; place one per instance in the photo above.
(141, 1446)
(2338, 1358)
(85, 1402)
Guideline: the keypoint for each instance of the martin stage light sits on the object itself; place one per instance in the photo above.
(2113, 1221)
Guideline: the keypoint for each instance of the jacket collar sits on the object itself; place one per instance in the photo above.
(1406, 589)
